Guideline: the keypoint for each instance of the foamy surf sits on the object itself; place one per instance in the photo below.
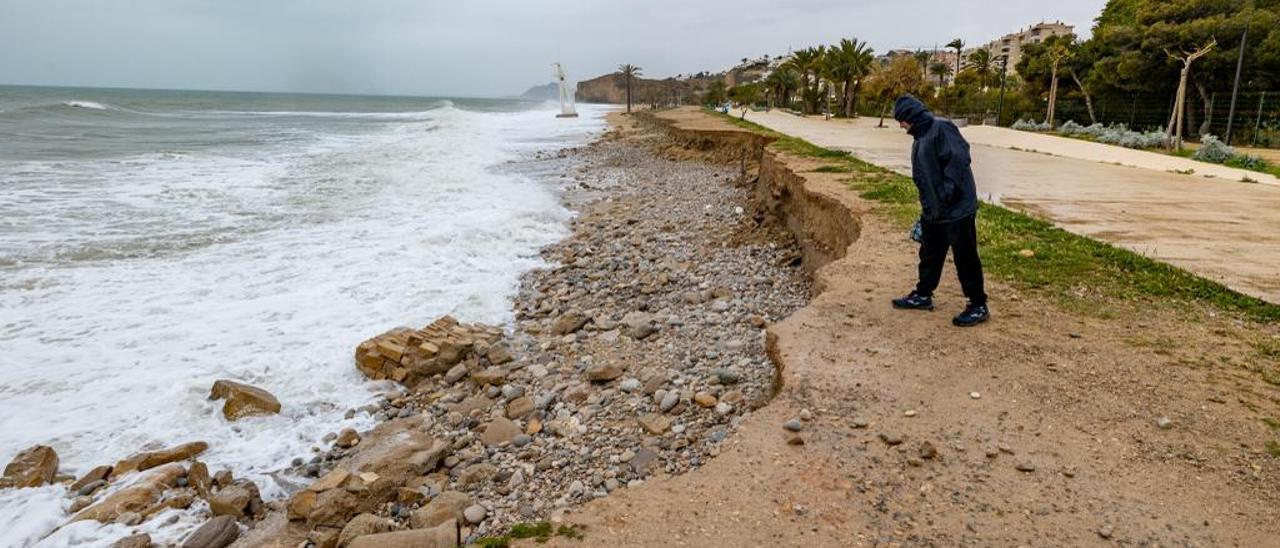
(136, 277)
(85, 104)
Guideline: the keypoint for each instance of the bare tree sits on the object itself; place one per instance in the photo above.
(1057, 53)
(1179, 104)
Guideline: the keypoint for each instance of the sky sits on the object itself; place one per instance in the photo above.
(463, 48)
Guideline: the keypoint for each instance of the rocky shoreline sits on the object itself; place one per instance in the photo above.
(636, 353)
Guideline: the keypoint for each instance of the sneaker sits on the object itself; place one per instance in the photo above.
(914, 301)
(972, 315)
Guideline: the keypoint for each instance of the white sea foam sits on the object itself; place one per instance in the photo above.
(86, 104)
(268, 269)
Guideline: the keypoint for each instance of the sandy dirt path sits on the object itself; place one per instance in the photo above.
(1042, 428)
(1218, 228)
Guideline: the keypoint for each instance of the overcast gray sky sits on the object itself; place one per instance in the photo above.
(459, 48)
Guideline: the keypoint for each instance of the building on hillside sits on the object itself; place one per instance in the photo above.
(1011, 44)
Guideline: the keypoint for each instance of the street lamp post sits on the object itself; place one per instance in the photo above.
(1004, 75)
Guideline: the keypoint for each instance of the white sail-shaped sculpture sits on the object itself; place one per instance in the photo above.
(566, 97)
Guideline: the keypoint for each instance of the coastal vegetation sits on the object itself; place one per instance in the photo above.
(1151, 65)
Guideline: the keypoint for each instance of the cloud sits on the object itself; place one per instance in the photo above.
(473, 48)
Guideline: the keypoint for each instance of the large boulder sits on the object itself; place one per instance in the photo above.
(137, 497)
(198, 478)
(447, 506)
(239, 499)
(218, 532)
(33, 467)
(361, 525)
(243, 400)
(152, 459)
(444, 535)
(332, 508)
(407, 356)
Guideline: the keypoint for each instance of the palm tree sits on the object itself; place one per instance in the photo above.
(981, 62)
(629, 71)
(958, 45)
(782, 82)
(848, 63)
(924, 59)
(941, 70)
(808, 62)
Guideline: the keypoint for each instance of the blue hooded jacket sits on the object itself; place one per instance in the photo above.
(939, 164)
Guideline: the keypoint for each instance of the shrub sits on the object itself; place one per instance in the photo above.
(1031, 125)
(1120, 134)
(1244, 161)
(1213, 150)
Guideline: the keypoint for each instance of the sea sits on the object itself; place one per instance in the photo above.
(152, 242)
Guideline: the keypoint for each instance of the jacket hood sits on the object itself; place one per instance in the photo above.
(910, 110)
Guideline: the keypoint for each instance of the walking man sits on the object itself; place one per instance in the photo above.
(949, 206)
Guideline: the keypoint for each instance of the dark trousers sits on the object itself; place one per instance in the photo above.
(961, 237)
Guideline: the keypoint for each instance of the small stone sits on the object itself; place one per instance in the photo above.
(455, 374)
(475, 513)
(80, 503)
(1026, 253)
(92, 477)
(793, 425)
(1164, 423)
(860, 422)
(129, 518)
(1025, 466)
(654, 424)
(890, 438)
(347, 438)
(520, 407)
(975, 395)
(644, 459)
(909, 413)
(928, 451)
(1105, 532)
(501, 430)
(90, 488)
(794, 438)
(568, 323)
(669, 401)
(728, 376)
(704, 400)
(604, 373)
(630, 385)
(805, 415)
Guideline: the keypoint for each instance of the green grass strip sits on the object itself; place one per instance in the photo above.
(1071, 267)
